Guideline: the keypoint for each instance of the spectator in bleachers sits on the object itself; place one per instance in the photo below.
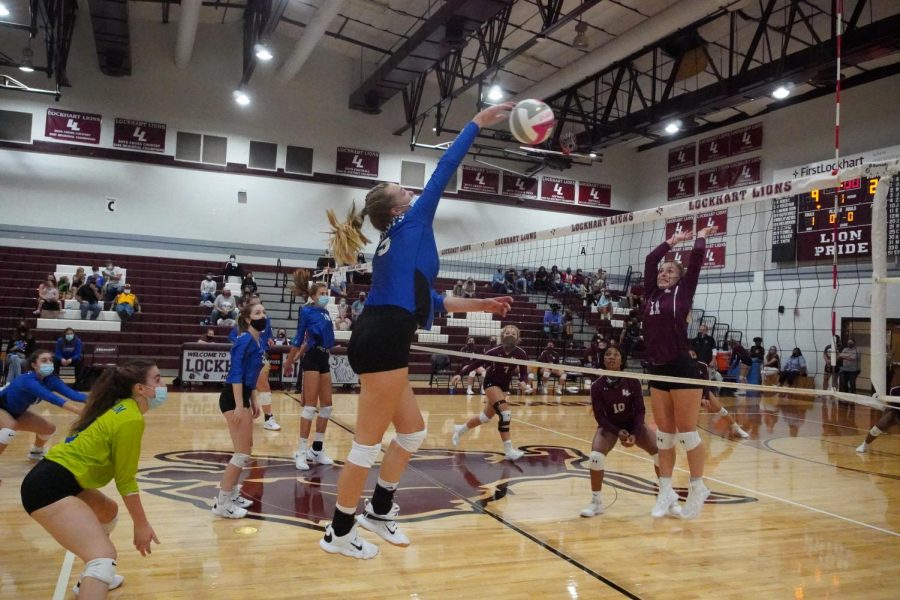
(604, 304)
(48, 298)
(555, 280)
(469, 288)
(224, 308)
(343, 321)
(232, 269)
(703, 344)
(208, 338)
(68, 352)
(849, 367)
(248, 283)
(126, 304)
(566, 280)
(19, 347)
(630, 336)
(338, 284)
(77, 280)
(281, 339)
(528, 276)
(568, 325)
(509, 280)
(113, 282)
(794, 367)
(357, 307)
(458, 289)
(541, 279)
(96, 278)
(553, 322)
(498, 282)
(207, 291)
(771, 366)
(739, 358)
(65, 287)
(637, 295)
(88, 296)
(757, 352)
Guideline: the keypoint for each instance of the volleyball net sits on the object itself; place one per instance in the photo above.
(793, 262)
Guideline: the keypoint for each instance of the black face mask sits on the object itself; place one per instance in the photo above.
(509, 344)
(258, 324)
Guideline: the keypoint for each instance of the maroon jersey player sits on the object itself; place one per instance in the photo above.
(618, 405)
(497, 382)
(676, 406)
(550, 356)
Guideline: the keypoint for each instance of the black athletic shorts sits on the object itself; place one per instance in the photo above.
(380, 339)
(685, 367)
(226, 398)
(316, 359)
(46, 483)
(503, 384)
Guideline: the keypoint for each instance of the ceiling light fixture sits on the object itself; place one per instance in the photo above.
(581, 40)
(495, 94)
(673, 127)
(241, 97)
(593, 155)
(27, 64)
(4, 12)
(263, 53)
(781, 92)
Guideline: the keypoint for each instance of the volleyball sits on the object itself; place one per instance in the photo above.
(531, 121)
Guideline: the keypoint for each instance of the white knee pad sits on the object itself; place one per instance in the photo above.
(689, 439)
(7, 435)
(363, 456)
(665, 441)
(411, 441)
(656, 460)
(483, 418)
(308, 413)
(723, 412)
(265, 398)
(103, 569)
(240, 460)
(874, 432)
(108, 527)
(597, 460)
(325, 412)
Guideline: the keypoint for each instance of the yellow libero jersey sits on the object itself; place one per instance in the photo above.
(108, 449)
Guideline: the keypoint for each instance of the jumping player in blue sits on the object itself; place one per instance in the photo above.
(401, 299)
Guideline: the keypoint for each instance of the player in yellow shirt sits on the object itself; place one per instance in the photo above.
(62, 492)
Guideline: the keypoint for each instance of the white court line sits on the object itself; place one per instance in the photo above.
(734, 485)
(62, 582)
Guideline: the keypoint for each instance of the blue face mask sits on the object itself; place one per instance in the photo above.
(162, 392)
(324, 300)
(46, 369)
(69, 337)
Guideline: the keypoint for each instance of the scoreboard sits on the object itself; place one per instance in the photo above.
(806, 226)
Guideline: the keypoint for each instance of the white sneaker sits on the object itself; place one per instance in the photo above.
(383, 525)
(228, 511)
(37, 453)
(559, 390)
(239, 500)
(592, 510)
(514, 455)
(736, 430)
(666, 503)
(117, 582)
(862, 448)
(697, 495)
(469, 391)
(300, 461)
(272, 425)
(458, 430)
(319, 458)
(349, 545)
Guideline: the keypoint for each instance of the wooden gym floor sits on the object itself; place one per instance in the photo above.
(795, 512)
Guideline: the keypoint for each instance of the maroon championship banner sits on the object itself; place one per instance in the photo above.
(715, 179)
(745, 172)
(558, 190)
(819, 245)
(520, 187)
(139, 135)
(681, 187)
(480, 179)
(682, 157)
(679, 224)
(594, 194)
(713, 258)
(351, 161)
(714, 148)
(746, 139)
(73, 126)
(716, 218)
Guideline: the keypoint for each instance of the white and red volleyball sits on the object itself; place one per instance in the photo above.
(531, 121)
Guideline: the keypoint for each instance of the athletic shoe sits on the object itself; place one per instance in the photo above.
(272, 425)
(559, 390)
(697, 495)
(592, 510)
(862, 448)
(736, 430)
(300, 461)
(514, 455)
(117, 582)
(319, 458)
(458, 430)
(469, 391)
(239, 500)
(349, 545)
(383, 525)
(37, 453)
(666, 503)
(228, 511)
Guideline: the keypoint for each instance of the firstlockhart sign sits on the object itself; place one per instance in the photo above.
(717, 218)
(682, 157)
(139, 135)
(594, 194)
(73, 126)
(351, 161)
(681, 187)
(558, 190)
(520, 187)
(480, 179)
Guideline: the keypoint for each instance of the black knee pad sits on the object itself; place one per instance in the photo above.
(505, 420)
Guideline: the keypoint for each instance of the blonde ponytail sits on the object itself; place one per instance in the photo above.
(347, 238)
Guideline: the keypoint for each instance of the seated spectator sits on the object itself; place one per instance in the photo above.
(357, 307)
(469, 288)
(771, 365)
(555, 280)
(498, 282)
(113, 282)
(794, 367)
(553, 322)
(579, 290)
(338, 285)
(96, 278)
(88, 296)
(599, 280)
(740, 359)
(528, 276)
(19, 348)
(352, 277)
(630, 337)
(521, 284)
(209, 337)
(509, 281)
(232, 269)
(604, 304)
(458, 289)
(593, 354)
(566, 279)
(249, 283)
(343, 321)
(223, 308)
(77, 280)
(578, 277)
(48, 298)
(126, 304)
(281, 339)
(68, 353)
(65, 286)
(637, 295)
(551, 356)
(540, 279)
(568, 325)
(207, 291)
(326, 264)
